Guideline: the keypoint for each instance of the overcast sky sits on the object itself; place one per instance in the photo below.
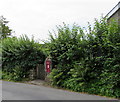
(36, 17)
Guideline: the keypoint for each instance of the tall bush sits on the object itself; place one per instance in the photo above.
(21, 54)
(88, 61)
(66, 46)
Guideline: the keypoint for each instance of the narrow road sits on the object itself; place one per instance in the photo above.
(21, 91)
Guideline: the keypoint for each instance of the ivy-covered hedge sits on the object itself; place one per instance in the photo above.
(19, 55)
(87, 61)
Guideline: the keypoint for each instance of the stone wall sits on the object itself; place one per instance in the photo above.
(38, 72)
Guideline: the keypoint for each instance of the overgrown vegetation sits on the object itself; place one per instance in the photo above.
(19, 55)
(82, 60)
(87, 61)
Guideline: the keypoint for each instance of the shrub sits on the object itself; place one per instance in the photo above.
(66, 46)
(19, 55)
(87, 61)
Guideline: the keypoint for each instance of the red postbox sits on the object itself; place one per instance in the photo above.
(48, 65)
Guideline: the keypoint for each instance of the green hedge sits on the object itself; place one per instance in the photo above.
(19, 55)
(87, 61)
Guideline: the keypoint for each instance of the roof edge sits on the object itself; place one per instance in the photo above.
(113, 10)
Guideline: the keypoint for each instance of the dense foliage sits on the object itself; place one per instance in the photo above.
(82, 60)
(87, 61)
(19, 55)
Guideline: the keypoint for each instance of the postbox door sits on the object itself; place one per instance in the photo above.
(47, 66)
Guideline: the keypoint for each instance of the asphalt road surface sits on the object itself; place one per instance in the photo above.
(21, 91)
